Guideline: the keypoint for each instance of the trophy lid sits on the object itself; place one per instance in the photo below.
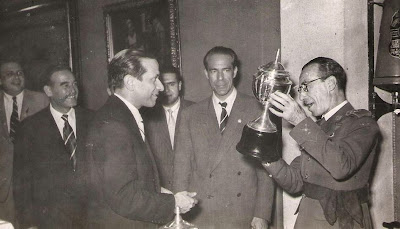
(274, 70)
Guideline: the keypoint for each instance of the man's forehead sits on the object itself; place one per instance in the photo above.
(309, 73)
(169, 77)
(10, 66)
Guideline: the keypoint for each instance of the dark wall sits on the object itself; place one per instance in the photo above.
(250, 27)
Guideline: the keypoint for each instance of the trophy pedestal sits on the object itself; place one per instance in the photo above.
(262, 146)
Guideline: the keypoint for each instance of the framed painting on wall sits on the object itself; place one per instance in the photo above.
(38, 35)
(151, 26)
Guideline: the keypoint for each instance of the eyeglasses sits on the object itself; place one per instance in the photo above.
(304, 85)
(11, 73)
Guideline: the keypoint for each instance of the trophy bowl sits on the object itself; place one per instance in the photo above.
(260, 137)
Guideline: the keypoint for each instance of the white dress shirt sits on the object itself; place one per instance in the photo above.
(60, 122)
(8, 105)
(172, 123)
(136, 114)
(230, 100)
(330, 113)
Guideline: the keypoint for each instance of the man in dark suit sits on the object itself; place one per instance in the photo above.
(125, 191)
(337, 152)
(233, 191)
(12, 80)
(49, 167)
(162, 122)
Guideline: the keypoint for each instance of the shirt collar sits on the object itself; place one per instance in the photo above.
(56, 113)
(175, 107)
(230, 100)
(135, 112)
(19, 96)
(333, 111)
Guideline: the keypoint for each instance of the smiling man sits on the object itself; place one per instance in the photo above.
(49, 168)
(234, 192)
(125, 191)
(337, 151)
(16, 103)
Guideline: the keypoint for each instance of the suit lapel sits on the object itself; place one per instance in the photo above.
(26, 104)
(3, 117)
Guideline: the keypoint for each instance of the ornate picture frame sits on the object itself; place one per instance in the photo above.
(148, 25)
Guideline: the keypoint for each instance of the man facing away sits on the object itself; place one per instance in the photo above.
(233, 191)
(125, 191)
(16, 103)
(162, 123)
(337, 152)
(49, 160)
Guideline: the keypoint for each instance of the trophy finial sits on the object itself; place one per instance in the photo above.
(277, 56)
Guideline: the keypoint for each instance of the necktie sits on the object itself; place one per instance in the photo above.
(224, 117)
(69, 141)
(171, 126)
(14, 120)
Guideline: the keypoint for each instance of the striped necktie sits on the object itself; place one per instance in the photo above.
(69, 141)
(224, 117)
(14, 120)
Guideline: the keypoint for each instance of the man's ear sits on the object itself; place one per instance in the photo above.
(206, 73)
(129, 82)
(332, 83)
(48, 91)
(235, 72)
(180, 85)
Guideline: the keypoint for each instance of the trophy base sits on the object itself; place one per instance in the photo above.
(262, 146)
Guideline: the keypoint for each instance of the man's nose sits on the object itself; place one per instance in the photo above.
(220, 75)
(159, 85)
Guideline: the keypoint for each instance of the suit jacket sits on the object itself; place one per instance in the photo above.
(31, 103)
(48, 193)
(231, 188)
(124, 190)
(156, 129)
(337, 155)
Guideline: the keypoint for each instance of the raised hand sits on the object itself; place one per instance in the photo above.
(291, 110)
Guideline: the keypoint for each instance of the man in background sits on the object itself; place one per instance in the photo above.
(162, 123)
(125, 191)
(233, 191)
(16, 103)
(49, 160)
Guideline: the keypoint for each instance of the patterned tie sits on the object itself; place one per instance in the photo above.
(141, 128)
(14, 120)
(69, 140)
(224, 117)
(171, 126)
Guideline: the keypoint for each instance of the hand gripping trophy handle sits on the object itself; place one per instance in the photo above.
(260, 137)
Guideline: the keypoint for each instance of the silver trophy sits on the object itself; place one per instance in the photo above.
(259, 137)
(178, 222)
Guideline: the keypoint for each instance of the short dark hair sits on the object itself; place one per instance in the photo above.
(51, 70)
(126, 62)
(171, 69)
(329, 67)
(224, 51)
(10, 60)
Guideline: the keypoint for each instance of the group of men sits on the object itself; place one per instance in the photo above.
(128, 167)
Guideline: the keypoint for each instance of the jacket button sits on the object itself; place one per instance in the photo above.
(309, 158)
(306, 176)
(209, 196)
(239, 194)
(239, 173)
(210, 175)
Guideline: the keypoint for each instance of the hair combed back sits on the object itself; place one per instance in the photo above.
(224, 51)
(126, 62)
(330, 67)
(172, 69)
(52, 69)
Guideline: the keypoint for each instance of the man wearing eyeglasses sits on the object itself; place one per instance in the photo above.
(16, 103)
(337, 151)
